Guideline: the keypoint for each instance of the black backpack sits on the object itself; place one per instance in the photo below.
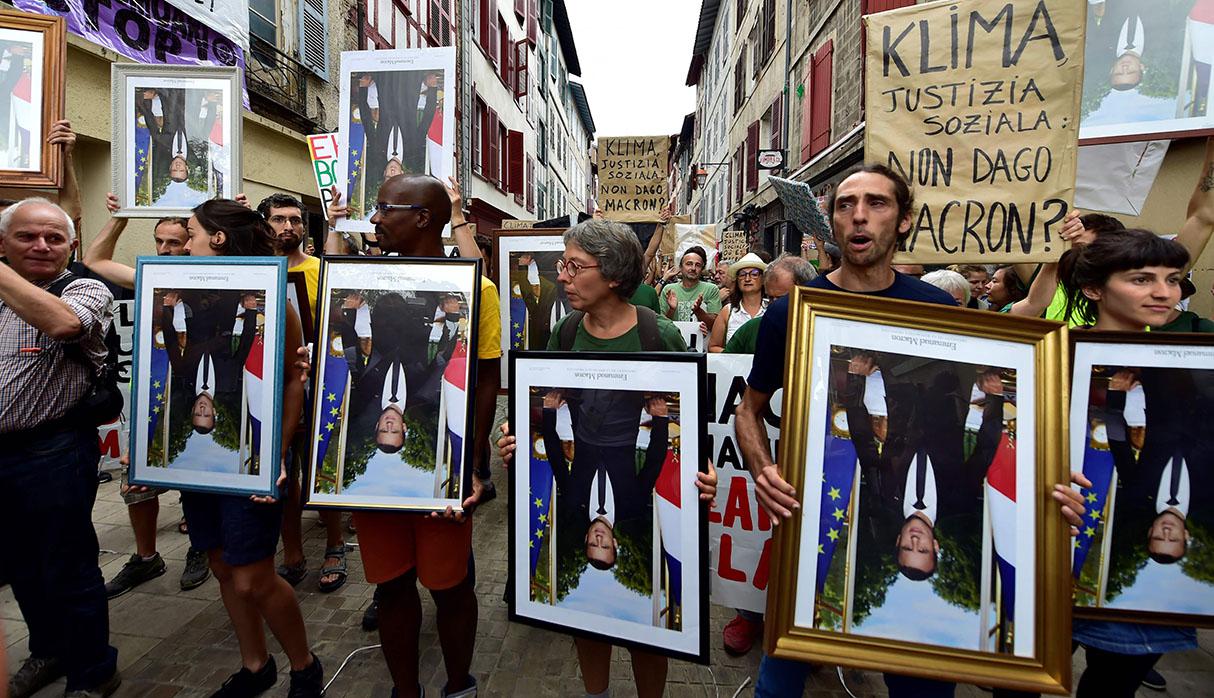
(647, 328)
(103, 403)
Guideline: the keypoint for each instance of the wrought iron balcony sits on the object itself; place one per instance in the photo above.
(278, 85)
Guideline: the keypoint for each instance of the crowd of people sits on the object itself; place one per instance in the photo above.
(55, 313)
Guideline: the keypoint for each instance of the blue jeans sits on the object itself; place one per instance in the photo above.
(781, 678)
(47, 488)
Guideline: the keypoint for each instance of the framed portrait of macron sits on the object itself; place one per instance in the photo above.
(206, 395)
(922, 448)
(33, 55)
(1141, 406)
(176, 137)
(533, 301)
(395, 362)
(608, 538)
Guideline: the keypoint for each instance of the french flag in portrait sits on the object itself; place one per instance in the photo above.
(1001, 500)
(455, 395)
(434, 146)
(669, 506)
(23, 116)
(253, 388)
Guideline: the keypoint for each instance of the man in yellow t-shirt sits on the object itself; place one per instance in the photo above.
(399, 549)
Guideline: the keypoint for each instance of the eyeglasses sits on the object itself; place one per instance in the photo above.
(572, 267)
(279, 220)
(749, 272)
(384, 208)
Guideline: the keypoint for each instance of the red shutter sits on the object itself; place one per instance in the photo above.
(533, 21)
(522, 64)
(515, 179)
(520, 10)
(486, 27)
(506, 62)
(530, 184)
(492, 148)
(739, 162)
(494, 37)
(752, 157)
(821, 90)
(807, 99)
(777, 123)
(869, 7)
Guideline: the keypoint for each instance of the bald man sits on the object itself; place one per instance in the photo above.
(398, 550)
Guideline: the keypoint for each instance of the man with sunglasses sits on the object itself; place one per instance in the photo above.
(398, 550)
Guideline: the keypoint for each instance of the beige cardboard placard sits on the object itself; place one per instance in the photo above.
(517, 225)
(977, 104)
(632, 177)
(733, 247)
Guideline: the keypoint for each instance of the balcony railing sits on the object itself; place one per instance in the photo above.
(278, 85)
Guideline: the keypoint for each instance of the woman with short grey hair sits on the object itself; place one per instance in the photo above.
(952, 283)
(616, 249)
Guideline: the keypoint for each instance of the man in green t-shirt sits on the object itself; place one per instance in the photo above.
(691, 299)
(646, 297)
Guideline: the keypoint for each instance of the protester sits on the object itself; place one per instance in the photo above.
(978, 277)
(747, 302)
(1005, 288)
(600, 270)
(781, 275)
(240, 534)
(691, 299)
(870, 210)
(48, 466)
(143, 504)
(951, 283)
(288, 219)
(398, 550)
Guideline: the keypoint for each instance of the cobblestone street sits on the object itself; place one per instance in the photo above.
(174, 643)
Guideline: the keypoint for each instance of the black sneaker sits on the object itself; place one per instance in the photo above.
(371, 616)
(196, 570)
(246, 684)
(308, 682)
(1155, 681)
(101, 690)
(136, 571)
(35, 674)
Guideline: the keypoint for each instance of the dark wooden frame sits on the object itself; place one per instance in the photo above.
(54, 33)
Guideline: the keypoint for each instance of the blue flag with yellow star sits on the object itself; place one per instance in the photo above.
(1098, 467)
(158, 396)
(838, 474)
(518, 322)
(337, 372)
(355, 172)
(539, 497)
(143, 150)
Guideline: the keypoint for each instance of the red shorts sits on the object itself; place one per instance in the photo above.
(393, 544)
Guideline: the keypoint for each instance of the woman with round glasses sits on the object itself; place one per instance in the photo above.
(601, 269)
(748, 300)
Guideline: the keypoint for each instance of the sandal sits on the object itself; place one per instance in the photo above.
(294, 574)
(340, 569)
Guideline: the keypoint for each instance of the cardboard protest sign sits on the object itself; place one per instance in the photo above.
(977, 105)
(733, 246)
(632, 177)
(803, 208)
(739, 531)
(322, 148)
(691, 235)
(113, 436)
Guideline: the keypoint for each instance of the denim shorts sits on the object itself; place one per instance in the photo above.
(1133, 638)
(244, 531)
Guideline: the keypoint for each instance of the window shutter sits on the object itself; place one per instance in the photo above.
(752, 154)
(486, 27)
(478, 131)
(821, 90)
(506, 61)
(520, 10)
(769, 28)
(738, 171)
(530, 184)
(522, 64)
(515, 183)
(777, 123)
(533, 22)
(314, 36)
(807, 99)
(494, 36)
(492, 148)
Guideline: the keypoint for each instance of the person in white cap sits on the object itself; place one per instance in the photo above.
(747, 302)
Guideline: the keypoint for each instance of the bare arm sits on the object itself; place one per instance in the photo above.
(1195, 233)
(69, 193)
(1041, 292)
(459, 225)
(100, 255)
(716, 340)
(777, 497)
(293, 387)
(334, 243)
(39, 308)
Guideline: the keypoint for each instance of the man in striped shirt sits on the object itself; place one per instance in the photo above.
(51, 347)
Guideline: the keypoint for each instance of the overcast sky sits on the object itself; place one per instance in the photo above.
(634, 56)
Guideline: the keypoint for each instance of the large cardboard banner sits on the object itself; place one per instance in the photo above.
(322, 149)
(632, 177)
(739, 532)
(977, 104)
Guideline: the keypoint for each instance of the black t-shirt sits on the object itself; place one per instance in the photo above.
(767, 372)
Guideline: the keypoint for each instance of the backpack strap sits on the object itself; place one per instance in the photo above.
(569, 330)
(74, 351)
(56, 289)
(647, 329)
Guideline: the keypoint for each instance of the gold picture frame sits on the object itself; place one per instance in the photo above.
(1033, 353)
